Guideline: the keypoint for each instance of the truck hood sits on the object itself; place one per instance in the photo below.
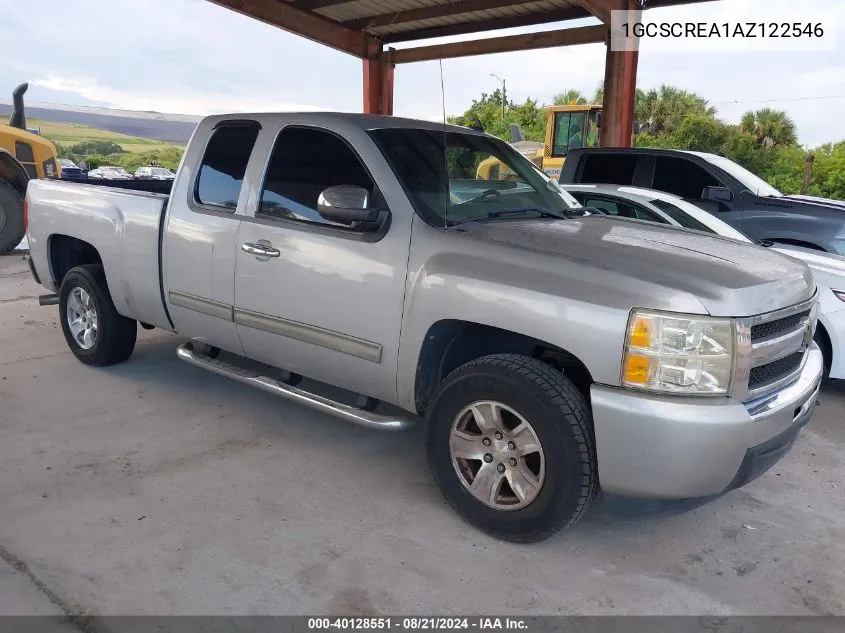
(814, 201)
(728, 278)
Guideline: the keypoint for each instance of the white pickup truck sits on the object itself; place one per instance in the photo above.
(551, 352)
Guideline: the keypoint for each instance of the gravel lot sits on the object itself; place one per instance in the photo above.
(154, 487)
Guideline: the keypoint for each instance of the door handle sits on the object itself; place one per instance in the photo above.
(262, 248)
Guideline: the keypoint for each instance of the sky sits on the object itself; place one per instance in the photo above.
(194, 57)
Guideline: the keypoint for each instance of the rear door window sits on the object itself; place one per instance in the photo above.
(221, 172)
(614, 169)
(681, 177)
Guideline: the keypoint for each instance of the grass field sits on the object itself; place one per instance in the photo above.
(71, 133)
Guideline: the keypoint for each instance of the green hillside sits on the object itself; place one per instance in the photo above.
(102, 147)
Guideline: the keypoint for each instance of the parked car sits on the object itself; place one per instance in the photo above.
(547, 349)
(110, 173)
(71, 171)
(657, 206)
(720, 186)
(154, 173)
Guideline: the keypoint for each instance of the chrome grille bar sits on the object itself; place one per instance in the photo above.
(795, 335)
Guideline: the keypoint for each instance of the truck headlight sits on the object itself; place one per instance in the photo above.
(678, 354)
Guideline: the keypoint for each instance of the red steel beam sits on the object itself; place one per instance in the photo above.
(492, 24)
(527, 41)
(599, 8)
(426, 13)
(310, 25)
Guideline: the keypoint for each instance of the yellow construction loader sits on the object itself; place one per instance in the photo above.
(23, 155)
(567, 126)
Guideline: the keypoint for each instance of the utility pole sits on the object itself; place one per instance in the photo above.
(504, 93)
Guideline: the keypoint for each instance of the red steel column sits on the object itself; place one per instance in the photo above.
(620, 85)
(378, 84)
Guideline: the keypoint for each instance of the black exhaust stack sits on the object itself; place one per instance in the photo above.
(18, 118)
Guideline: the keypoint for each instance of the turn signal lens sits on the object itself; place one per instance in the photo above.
(637, 369)
(640, 332)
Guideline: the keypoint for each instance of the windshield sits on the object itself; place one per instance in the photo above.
(443, 175)
(692, 217)
(755, 184)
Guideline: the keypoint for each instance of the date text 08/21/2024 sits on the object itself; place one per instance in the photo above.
(417, 623)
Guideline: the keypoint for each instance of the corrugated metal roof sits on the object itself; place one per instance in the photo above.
(404, 20)
(391, 17)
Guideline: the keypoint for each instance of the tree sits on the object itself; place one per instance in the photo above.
(488, 112)
(773, 128)
(699, 132)
(96, 147)
(568, 96)
(662, 110)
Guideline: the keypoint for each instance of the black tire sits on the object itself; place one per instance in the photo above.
(11, 217)
(561, 419)
(116, 334)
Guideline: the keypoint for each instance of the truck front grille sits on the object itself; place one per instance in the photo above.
(773, 328)
(769, 373)
(772, 350)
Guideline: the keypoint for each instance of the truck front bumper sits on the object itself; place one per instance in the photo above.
(669, 447)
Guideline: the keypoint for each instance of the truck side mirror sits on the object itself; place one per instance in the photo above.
(347, 204)
(717, 194)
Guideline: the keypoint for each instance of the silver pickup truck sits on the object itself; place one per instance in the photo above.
(551, 352)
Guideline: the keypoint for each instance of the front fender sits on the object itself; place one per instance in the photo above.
(594, 334)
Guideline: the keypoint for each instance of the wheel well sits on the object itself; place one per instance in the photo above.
(13, 172)
(451, 343)
(800, 243)
(68, 252)
(823, 340)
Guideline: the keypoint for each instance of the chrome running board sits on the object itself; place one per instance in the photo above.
(346, 412)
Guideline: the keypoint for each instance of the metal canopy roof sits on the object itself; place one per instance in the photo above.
(361, 27)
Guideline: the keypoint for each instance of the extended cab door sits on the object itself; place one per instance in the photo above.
(312, 296)
(200, 237)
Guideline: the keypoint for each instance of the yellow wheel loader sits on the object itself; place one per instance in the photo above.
(23, 155)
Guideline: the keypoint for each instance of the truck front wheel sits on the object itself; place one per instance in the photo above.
(96, 334)
(510, 443)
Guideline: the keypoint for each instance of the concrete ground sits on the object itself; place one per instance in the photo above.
(154, 487)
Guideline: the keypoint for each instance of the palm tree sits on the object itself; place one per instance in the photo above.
(772, 128)
(663, 109)
(568, 96)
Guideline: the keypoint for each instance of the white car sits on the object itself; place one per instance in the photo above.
(154, 173)
(109, 172)
(657, 206)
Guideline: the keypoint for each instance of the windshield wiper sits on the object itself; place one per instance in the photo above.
(546, 213)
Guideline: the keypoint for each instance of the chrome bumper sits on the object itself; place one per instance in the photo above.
(676, 448)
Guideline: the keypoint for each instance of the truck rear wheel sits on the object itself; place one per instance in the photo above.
(96, 334)
(510, 443)
(11, 217)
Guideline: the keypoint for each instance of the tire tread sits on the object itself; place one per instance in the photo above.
(119, 332)
(565, 397)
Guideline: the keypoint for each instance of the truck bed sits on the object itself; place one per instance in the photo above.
(123, 226)
(148, 186)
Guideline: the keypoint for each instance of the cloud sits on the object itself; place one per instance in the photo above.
(173, 101)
